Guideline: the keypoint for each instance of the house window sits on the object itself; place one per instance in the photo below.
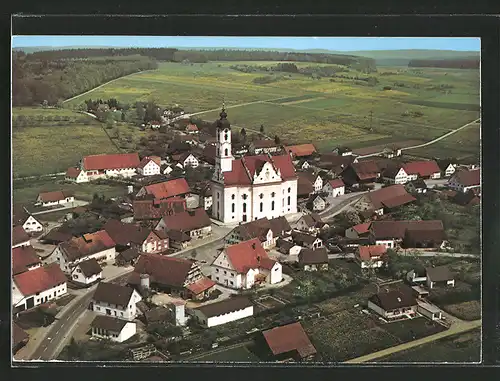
(289, 190)
(225, 272)
(261, 196)
(232, 207)
(272, 205)
(216, 270)
(273, 194)
(261, 206)
(244, 207)
(232, 197)
(244, 197)
(231, 282)
(226, 152)
(217, 278)
(288, 200)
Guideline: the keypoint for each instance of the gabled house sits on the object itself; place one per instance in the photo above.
(125, 235)
(301, 151)
(243, 265)
(394, 304)
(115, 301)
(206, 197)
(128, 257)
(303, 165)
(265, 146)
(392, 234)
(468, 198)
(195, 223)
(149, 166)
(311, 223)
(313, 260)
(226, 311)
(186, 159)
(358, 231)
(304, 187)
(314, 179)
(439, 276)
(192, 129)
(287, 247)
(417, 186)
(154, 209)
(167, 189)
(87, 272)
(178, 240)
(155, 242)
(428, 169)
(316, 203)
(334, 163)
(306, 240)
(113, 329)
(20, 237)
(288, 343)
(464, 180)
(334, 188)
(370, 256)
(120, 164)
(24, 258)
(175, 276)
(38, 286)
(384, 199)
(267, 231)
(98, 245)
(76, 175)
(447, 167)
(363, 172)
(395, 175)
(21, 217)
(54, 198)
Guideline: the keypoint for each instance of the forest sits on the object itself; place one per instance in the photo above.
(470, 63)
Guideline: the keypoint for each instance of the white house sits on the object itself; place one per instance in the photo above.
(251, 187)
(98, 245)
(311, 223)
(228, 310)
(195, 223)
(87, 272)
(334, 188)
(463, 181)
(149, 166)
(428, 310)
(114, 300)
(306, 240)
(242, 265)
(112, 165)
(394, 304)
(318, 204)
(396, 175)
(370, 256)
(38, 286)
(76, 175)
(110, 328)
(188, 160)
(439, 275)
(54, 198)
(448, 169)
(156, 242)
(206, 197)
(21, 217)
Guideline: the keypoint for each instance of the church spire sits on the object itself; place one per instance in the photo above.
(223, 114)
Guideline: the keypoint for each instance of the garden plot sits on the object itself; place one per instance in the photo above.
(267, 302)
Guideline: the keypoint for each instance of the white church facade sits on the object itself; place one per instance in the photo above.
(252, 187)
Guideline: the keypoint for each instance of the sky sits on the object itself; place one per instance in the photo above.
(298, 43)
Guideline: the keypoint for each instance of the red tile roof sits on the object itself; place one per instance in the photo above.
(288, 338)
(187, 220)
(368, 252)
(19, 235)
(191, 127)
(156, 209)
(336, 183)
(468, 178)
(248, 255)
(87, 245)
(382, 196)
(202, 285)
(398, 201)
(301, 150)
(362, 228)
(124, 234)
(422, 168)
(167, 189)
(53, 196)
(162, 270)
(22, 258)
(111, 161)
(147, 159)
(73, 172)
(41, 279)
(366, 169)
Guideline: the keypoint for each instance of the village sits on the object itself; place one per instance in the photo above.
(246, 244)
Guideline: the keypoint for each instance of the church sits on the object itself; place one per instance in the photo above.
(251, 187)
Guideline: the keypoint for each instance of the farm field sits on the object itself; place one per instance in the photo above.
(311, 110)
(465, 347)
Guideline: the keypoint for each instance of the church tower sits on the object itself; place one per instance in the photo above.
(223, 155)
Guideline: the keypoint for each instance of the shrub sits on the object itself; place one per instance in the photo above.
(387, 88)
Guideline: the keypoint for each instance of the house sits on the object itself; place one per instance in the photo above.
(54, 198)
(186, 159)
(306, 240)
(98, 245)
(317, 203)
(38, 286)
(192, 129)
(264, 146)
(358, 231)
(226, 311)
(334, 163)
(76, 175)
(167, 189)
(342, 151)
(287, 247)
(288, 342)
(243, 265)
(155, 124)
(416, 276)
(394, 304)
(87, 272)
(334, 188)
(24, 258)
(303, 165)
(19, 338)
(125, 235)
(465, 180)
(195, 223)
(447, 167)
(370, 256)
(417, 186)
(315, 180)
(115, 301)
(21, 217)
(128, 257)
(149, 166)
(154, 209)
(178, 240)
(301, 151)
(110, 165)
(113, 329)
(305, 187)
(395, 175)
(20, 237)
(423, 239)
(363, 172)
(439, 276)
(155, 242)
(206, 197)
(427, 169)
(311, 223)
(267, 231)
(175, 276)
(313, 260)
(468, 198)
(384, 199)
(428, 310)
(391, 234)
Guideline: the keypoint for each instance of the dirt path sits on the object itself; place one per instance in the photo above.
(458, 327)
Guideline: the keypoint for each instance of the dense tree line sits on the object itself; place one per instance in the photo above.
(50, 81)
(468, 63)
(163, 54)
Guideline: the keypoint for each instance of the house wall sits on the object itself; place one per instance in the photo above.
(301, 225)
(128, 312)
(376, 262)
(32, 225)
(223, 272)
(275, 275)
(207, 202)
(295, 250)
(66, 265)
(351, 233)
(223, 319)
(450, 170)
(316, 267)
(191, 161)
(149, 169)
(155, 245)
(388, 243)
(58, 202)
(200, 233)
(26, 243)
(127, 332)
(78, 276)
(428, 314)
(319, 204)
(338, 191)
(318, 184)
(40, 298)
(449, 283)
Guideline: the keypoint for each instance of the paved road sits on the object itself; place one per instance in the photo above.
(455, 329)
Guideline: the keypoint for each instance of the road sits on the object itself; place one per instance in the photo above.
(425, 144)
(460, 327)
(338, 204)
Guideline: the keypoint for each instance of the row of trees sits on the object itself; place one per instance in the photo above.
(468, 63)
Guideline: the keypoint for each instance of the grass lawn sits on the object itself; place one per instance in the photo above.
(45, 149)
(465, 347)
(466, 310)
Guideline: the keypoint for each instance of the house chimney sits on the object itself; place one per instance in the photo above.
(253, 245)
(145, 281)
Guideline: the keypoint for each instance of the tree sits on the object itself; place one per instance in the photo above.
(276, 139)
(243, 134)
(261, 129)
(140, 112)
(123, 117)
